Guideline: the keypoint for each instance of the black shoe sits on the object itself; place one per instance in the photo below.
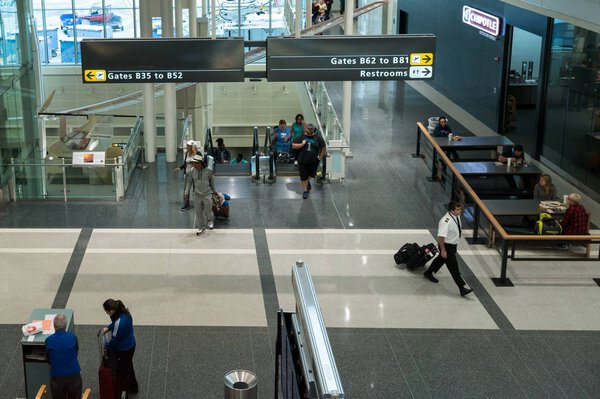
(465, 291)
(308, 186)
(429, 276)
(186, 207)
(305, 195)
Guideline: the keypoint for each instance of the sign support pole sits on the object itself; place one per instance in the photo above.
(347, 85)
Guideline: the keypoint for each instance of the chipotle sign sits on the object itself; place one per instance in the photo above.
(483, 21)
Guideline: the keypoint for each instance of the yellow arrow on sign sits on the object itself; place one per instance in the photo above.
(421, 59)
(95, 75)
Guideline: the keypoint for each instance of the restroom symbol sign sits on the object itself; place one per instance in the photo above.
(421, 59)
(420, 72)
(95, 75)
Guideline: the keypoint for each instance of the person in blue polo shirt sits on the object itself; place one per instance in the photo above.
(61, 349)
(122, 343)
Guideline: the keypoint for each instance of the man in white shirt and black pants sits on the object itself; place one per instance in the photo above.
(449, 233)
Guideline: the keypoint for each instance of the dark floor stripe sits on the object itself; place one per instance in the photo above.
(267, 280)
(66, 285)
(484, 297)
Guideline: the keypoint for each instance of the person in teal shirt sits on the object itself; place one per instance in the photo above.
(239, 160)
(297, 132)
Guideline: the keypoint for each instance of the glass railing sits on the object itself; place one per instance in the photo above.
(132, 151)
(61, 178)
(327, 120)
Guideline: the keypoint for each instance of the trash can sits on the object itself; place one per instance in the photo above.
(432, 123)
(240, 384)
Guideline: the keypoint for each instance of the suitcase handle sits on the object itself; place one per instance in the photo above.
(102, 352)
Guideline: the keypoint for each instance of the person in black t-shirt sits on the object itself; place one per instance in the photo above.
(311, 149)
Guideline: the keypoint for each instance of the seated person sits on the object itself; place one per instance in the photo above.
(544, 190)
(517, 154)
(281, 137)
(443, 129)
(239, 160)
(221, 153)
(575, 221)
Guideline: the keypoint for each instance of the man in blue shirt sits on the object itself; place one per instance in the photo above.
(281, 137)
(61, 349)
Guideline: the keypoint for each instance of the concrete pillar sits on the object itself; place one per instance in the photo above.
(213, 19)
(192, 13)
(148, 90)
(178, 18)
(309, 13)
(347, 85)
(169, 89)
(298, 24)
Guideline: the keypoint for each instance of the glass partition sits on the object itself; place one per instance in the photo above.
(327, 119)
(572, 128)
(61, 24)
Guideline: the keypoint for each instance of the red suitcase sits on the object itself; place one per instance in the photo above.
(107, 378)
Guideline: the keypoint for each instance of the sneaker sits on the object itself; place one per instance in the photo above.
(211, 225)
(305, 195)
(201, 231)
(308, 186)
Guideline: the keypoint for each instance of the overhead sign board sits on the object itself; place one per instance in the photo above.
(396, 57)
(481, 20)
(162, 60)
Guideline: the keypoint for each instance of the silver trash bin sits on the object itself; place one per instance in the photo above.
(432, 123)
(240, 384)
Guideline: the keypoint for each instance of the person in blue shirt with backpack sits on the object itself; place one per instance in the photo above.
(61, 349)
(122, 343)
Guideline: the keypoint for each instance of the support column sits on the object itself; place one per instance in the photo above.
(192, 14)
(169, 88)
(347, 85)
(309, 13)
(178, 18)
(298, 24)
(148, 90)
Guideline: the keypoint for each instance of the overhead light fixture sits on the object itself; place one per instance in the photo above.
(286, 91)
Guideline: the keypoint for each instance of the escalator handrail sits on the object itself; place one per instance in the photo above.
(208, 143)
(256, 151)
(271, 152)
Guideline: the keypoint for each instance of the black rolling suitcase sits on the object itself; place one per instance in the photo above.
(406, 252)
(423, 255)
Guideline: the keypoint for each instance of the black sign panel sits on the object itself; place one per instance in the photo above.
(162, 60)
(397, 57)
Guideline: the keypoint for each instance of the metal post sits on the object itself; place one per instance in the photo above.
(433, 164)
(476, 222)
(418, 153)
(504, 260)
(64, 173)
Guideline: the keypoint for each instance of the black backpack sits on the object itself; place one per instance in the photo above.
(407, 251)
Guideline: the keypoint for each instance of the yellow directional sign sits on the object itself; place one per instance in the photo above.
(421, 59)
(94, 75)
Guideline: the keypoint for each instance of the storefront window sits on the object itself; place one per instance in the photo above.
(572, 133)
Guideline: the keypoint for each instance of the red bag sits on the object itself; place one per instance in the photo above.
(109, 386)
